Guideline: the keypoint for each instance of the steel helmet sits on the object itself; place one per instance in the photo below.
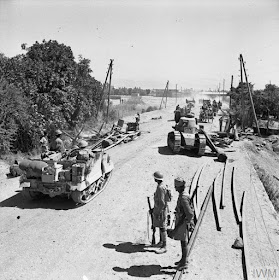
(58, 132)
(158, 176)
(83, 144)
(179, 182)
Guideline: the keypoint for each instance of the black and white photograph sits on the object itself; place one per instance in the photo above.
(139, 139)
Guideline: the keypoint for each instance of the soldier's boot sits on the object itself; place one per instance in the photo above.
(182, 243)
(183, 264)
(163, 248)
(160, 243)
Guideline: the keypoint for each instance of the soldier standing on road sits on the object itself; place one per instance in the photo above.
(160, 212)
(58, 143)
(137, 118)
(184, 215)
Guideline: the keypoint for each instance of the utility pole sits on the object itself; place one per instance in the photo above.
(231, 92)
(111, 62)
(223, 89)
(250, 95)
(165, 93)
(103, 89)
(175, 94)
(219, 91)
(242, 94)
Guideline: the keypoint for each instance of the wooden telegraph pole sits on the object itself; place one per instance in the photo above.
(250, 95)
(176, 94)
(165, 94)
(110, 74)
(242, 93)
(219, 91)
(231, 92)
(104, 85)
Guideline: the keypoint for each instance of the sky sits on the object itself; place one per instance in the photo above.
(192, 43)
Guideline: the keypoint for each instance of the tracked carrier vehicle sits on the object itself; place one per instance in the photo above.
(80, 175)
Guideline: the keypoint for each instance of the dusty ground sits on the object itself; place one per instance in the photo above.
(107, 238)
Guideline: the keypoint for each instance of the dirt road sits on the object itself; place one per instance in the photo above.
(105, 239)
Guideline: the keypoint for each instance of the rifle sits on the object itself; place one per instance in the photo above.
(152, 225)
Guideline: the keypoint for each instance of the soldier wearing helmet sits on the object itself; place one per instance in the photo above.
(58, 145)
(184, 215)
(83, 153)
(82, 144)
(160, 211)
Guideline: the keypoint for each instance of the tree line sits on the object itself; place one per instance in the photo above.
(266, 103)
(130, 91)
(45, 88)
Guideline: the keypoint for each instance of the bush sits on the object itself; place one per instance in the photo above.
(113, 115)
(151, 108)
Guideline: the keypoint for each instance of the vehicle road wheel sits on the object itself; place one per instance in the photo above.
(174, 140)
(85, 196)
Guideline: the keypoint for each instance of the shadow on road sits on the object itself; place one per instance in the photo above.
(56, 203)
(165, 150)
(145, 270)
(127, 247)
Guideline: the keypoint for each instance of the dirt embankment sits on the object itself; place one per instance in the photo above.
(107, 238)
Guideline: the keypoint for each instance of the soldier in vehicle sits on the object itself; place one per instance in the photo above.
(58, 145)
(184, 215)
(44, 144)
(84, 154)
(160, 212)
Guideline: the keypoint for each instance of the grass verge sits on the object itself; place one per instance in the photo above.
(271, 185)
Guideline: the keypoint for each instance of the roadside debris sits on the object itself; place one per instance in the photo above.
(118, 134)
(14, 170)
(238, 243)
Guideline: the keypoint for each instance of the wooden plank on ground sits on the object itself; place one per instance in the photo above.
(215, 205)
(222, 197)
(236, 205)
(245, 238)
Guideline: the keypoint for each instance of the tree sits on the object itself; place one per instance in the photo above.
(13, 114)
(267, 100)
(59, 91)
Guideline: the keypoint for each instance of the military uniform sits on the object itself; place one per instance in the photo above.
(184, 215)
(160, 210)
(44, 144)
(59, 145)
(184, 211)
